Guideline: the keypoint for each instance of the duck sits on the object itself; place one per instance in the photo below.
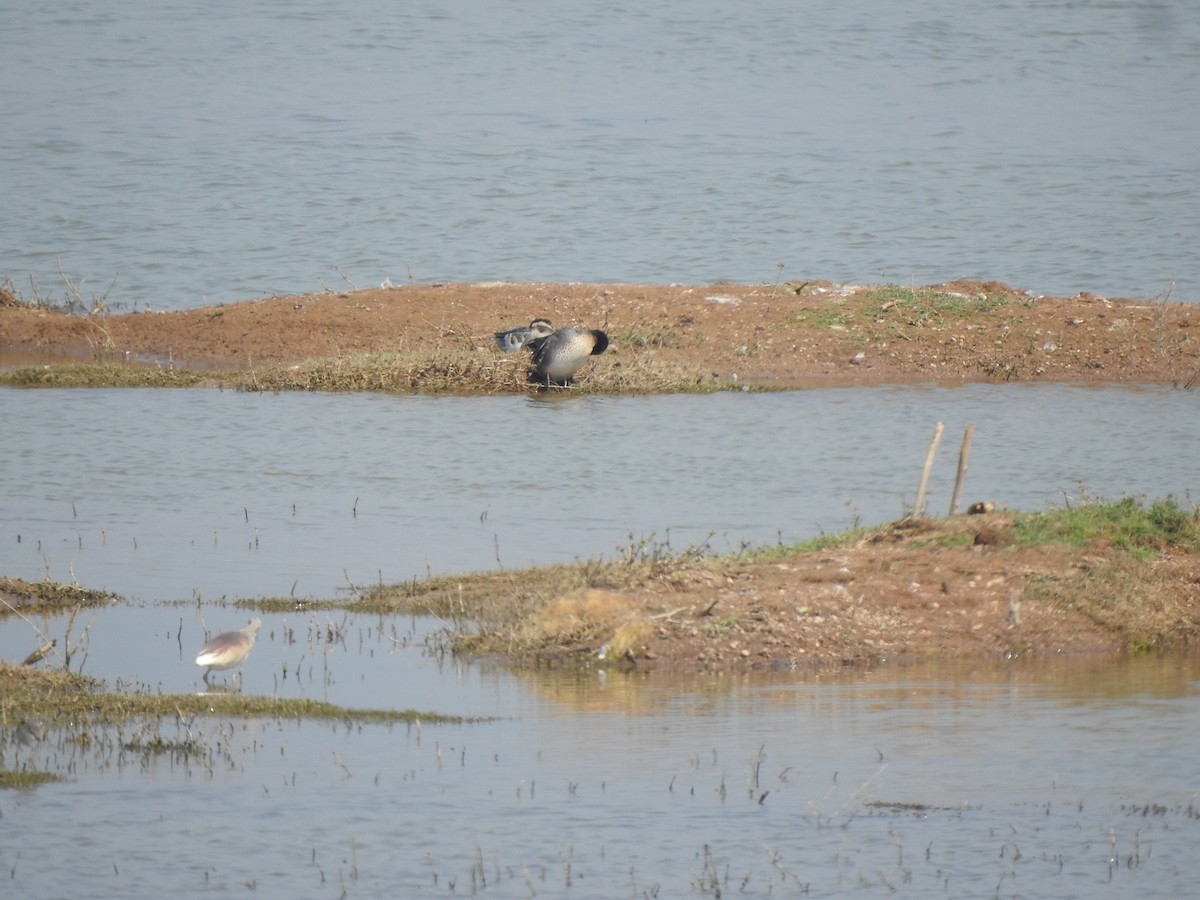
(559, 355)
(516, 338)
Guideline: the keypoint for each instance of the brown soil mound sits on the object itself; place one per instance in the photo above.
(788, 335)
(968, 587)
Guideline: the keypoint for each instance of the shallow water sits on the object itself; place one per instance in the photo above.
(1059, 778)
(173, 494)
(1045, 778)
(176, 156)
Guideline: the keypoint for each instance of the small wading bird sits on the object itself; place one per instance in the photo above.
(228, 650)
(557, 355)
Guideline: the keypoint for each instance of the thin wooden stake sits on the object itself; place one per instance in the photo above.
(963, 455)
(919, 506)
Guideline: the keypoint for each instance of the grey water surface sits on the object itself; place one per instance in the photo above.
(173, 155)
(1054, 779)
(184, 494)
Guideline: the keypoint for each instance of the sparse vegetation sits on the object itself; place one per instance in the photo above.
(71, 301)
(46, 596)
(71, 710)
(828, 317)
(103, 374)
(54, 696)
(433, 372)
(24, 779)
(927, 306)
(470, 372)
(1143, 594)
(1136, 575)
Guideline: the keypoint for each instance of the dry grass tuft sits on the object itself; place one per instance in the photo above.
(434, 371)
(108, 374)
(451, 370)
(589, 616)
(1113, 590)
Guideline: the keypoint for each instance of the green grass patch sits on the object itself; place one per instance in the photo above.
(1142, 530)
(925, 306)
(644, 336)
(951, 539)
(1130, 577)
(819, 544)
(67, 712)
(828, 317)
(721, 626)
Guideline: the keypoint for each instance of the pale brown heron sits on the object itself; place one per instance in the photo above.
(228, 650)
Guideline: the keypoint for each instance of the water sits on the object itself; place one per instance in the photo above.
(176, 156)
(173, 494)
(1066, 778)
(1048, 778)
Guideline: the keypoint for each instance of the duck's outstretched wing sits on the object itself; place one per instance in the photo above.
(516, 338)
(513, 339)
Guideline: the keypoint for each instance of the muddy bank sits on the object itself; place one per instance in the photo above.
(1099, 579)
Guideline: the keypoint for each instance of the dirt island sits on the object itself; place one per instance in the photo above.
(663, 337)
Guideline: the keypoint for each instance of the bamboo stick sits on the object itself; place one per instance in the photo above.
(963, 455)
(919, 506)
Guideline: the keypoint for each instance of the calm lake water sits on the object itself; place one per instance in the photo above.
(178, 155)
(1052, 779)
(168, 156)
(169, 495)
